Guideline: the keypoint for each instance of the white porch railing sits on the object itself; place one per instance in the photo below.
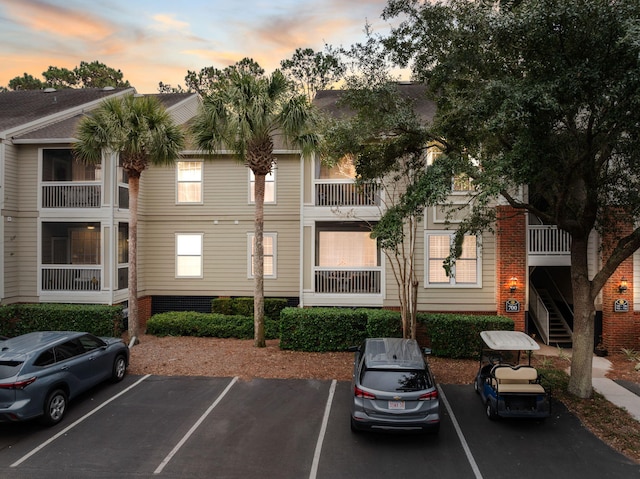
(71, 278)
(548, 240)
(347, 281)
(347, 194)
(67, 194)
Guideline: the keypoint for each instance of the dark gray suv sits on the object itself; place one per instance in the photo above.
(393, 387)
(40, 372)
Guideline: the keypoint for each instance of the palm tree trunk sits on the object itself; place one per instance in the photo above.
(134, 188)
(258, 264)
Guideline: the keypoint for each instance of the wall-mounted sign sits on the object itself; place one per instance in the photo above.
(512, 306)
(621, 306)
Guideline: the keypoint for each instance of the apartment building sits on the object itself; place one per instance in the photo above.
(65, 226)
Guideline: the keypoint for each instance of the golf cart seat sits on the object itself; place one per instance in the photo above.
(519, 379)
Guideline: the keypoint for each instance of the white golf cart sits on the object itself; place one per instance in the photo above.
(508, 388)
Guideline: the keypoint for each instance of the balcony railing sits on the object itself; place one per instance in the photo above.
(347, 194)
(71, 278)
(547, 240)
(67, 194)
(347, 281)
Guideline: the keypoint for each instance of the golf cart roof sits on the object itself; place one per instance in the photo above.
(509, 341)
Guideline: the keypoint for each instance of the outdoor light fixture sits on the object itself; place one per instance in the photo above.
(513, 284)
(623, 285)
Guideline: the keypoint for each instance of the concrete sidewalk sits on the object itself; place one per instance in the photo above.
(612, 391)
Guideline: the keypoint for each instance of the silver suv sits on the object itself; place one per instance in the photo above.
(393, 387)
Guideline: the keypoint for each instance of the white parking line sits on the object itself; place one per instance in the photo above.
(74, 424)
(323, 430)
(193, 428)
(463, 441)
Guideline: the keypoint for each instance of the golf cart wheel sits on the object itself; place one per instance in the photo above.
(491, 413)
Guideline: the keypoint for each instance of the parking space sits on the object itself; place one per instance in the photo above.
(171, 427)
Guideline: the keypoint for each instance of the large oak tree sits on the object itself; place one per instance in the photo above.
(543, 94)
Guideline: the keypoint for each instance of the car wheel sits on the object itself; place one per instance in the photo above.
(491, 413)
(119, 369)
(354, 429)
(54, 407)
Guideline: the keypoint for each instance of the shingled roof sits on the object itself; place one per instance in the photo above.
(329, 101)
(26, 106)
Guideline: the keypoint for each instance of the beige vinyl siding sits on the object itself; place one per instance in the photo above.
(450, 299)
(184, 111)
(225, 219)
(21, 180)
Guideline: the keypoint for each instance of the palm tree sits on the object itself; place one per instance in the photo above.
(244, 111)
(142, 132)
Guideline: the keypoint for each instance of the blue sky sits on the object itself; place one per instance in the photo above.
(152, 41)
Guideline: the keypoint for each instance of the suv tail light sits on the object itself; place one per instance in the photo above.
(359, 393)
(429, 396)
(18, 384)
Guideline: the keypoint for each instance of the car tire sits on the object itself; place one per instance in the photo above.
(490, 411)
(119, 368)
(54, 407)
(354, 429)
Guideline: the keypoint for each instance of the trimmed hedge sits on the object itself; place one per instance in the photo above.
(244, 306)
(98, 319)
(191, 323)
(322, 329)
(458, 335)
(383, 323)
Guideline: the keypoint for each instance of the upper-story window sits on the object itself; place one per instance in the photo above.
(189, 179)
(269, 187)
(58, 164)
(460, 182)
(342, 170)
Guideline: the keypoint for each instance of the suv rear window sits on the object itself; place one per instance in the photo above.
(9, 368)
(395, 380)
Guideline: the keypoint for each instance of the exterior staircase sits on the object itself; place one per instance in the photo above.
(559, 332)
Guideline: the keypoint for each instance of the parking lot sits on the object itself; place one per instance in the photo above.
(196, 427)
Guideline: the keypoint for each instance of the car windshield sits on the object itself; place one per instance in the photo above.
(395, 380)
(9, 368)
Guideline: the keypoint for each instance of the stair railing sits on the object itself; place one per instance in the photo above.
(540, 314)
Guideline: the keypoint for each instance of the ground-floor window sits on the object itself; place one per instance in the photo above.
(189, 255)
(466, 270)
(269, 245)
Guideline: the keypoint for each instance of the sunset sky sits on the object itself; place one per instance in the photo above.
(153, 41)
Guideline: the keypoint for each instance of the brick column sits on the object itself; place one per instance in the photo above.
(144, 312)
(511, 261)
(619, 329)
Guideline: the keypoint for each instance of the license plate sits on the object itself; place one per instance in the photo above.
(396, 404)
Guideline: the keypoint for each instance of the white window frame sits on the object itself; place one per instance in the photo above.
(179, 182)
(178, 255)
(452, 280)
(270, 178)
(274, 237)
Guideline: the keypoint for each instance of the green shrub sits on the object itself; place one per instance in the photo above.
(458, 335)
(222, 305)
(383, 323)
(190, 323)
(322, 329)
(98, 319)
(244, 306)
